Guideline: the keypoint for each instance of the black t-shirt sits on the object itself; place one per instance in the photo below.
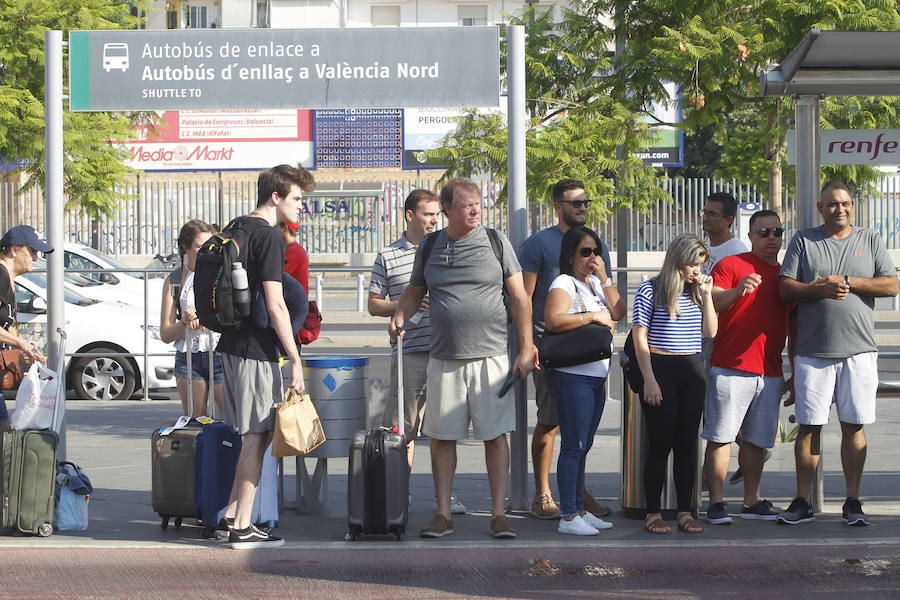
(7, 301)
(264, 262)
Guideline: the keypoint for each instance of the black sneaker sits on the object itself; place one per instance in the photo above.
(717, 514)
(252, 538)
(798, 512)
(852, 513)
(762, 511)
(224, 528)
(736, 477)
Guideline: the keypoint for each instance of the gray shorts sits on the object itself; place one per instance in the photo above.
(252, 387)
(546, 406)
(745, 402)
(415, 365)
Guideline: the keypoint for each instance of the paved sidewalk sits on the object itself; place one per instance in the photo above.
(111, 441)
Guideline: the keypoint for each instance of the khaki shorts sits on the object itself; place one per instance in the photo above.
(414, 372)
(546, 406)
(464, 391)
(252, 387)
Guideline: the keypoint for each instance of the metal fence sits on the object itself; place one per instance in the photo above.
(363, 220)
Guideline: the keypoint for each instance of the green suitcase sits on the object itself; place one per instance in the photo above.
(28, 480)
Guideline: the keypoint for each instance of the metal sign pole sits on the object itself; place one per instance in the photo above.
(55, 205)
(518, 231)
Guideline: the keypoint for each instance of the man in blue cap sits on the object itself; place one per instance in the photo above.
(19, 249)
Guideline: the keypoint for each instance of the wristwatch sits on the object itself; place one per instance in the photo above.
(847, 280)
(607, 283)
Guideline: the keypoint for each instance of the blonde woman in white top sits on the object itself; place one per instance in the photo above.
(179, 323)
(581, 294)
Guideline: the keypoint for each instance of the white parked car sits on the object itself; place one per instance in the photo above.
(96, 326)
(125, 286)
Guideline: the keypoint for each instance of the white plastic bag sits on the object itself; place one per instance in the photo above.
(36, 399)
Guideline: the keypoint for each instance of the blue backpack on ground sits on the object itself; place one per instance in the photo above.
(214, 293)
(73, 492)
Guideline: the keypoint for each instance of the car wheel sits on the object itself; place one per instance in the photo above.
(103, 377)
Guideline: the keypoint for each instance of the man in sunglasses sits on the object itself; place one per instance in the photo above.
(717, 217)
(539, 258)
(745, 377)
(834, 272)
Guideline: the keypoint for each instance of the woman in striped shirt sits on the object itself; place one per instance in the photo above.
(672, 313)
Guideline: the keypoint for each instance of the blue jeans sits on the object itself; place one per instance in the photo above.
(579, 406)
(4, 414)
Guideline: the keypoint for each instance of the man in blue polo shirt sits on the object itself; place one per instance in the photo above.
(539, 258)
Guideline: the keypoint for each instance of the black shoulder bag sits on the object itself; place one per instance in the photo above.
(588, 343)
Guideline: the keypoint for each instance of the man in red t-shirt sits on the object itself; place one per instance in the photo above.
(745, 378)
(296, 260)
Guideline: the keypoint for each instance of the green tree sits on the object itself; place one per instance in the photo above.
(93, 168)
(716, 50)
(577, 121)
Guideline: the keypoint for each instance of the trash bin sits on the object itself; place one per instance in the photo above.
(337, 387)
(634, 454)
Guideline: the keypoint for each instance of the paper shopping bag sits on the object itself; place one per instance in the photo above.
(297, 426)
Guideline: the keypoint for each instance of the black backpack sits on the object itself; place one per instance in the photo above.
(213, 290)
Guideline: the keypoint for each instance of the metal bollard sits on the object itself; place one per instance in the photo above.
(360, 292)
(320, 297)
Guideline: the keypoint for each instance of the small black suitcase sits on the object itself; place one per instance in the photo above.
(378, 476)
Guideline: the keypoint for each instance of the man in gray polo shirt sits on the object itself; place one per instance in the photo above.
(834, 272)
(390, 276)
(468, 357)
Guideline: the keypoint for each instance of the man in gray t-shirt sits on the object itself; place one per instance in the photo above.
(834, 272)
(468, 360)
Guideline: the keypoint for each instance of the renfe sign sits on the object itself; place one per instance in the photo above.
(854, 147)
(283, 68)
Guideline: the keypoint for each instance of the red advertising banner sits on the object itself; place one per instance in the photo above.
(197, 140)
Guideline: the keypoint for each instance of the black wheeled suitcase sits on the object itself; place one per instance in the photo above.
(378, 477)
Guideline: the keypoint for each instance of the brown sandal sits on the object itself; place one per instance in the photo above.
(656, 524)
(687, 524)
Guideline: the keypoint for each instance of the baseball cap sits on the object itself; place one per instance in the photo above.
(24, 235)
(295, 227)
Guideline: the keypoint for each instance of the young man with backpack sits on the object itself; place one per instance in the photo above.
(253, 382)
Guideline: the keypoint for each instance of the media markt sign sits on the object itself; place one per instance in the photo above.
(283, 68)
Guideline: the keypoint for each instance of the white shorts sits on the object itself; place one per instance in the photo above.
(463, 391)
(851, 383)
(745, 402)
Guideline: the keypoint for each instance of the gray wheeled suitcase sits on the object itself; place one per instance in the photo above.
(378, 477)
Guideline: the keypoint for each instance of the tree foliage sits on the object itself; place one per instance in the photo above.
(577, 120)
(93, 169)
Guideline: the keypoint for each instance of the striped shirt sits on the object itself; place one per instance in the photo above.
(390, 276)
(671, 333)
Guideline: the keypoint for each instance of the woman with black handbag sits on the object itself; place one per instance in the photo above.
(672, 313)
(582, 309)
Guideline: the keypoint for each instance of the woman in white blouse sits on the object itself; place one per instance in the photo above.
(179, 321)
(581, 294)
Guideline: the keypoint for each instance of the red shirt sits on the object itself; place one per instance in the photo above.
(297, 264)
(752, 332)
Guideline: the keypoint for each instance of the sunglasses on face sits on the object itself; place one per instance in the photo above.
(585, 252)
(578, 203)
(765, 231)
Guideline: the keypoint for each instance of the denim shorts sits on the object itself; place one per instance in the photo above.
(199, 366)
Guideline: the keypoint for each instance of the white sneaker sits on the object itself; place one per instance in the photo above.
(596, 522)
(577, 526)
(456, 507)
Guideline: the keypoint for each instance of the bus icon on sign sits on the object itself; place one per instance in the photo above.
(115, 56)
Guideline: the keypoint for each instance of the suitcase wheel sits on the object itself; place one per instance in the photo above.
(164, 523)
(208, 531)
(352, 534)
(399, 532)
(177, 522)
(45, 529)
